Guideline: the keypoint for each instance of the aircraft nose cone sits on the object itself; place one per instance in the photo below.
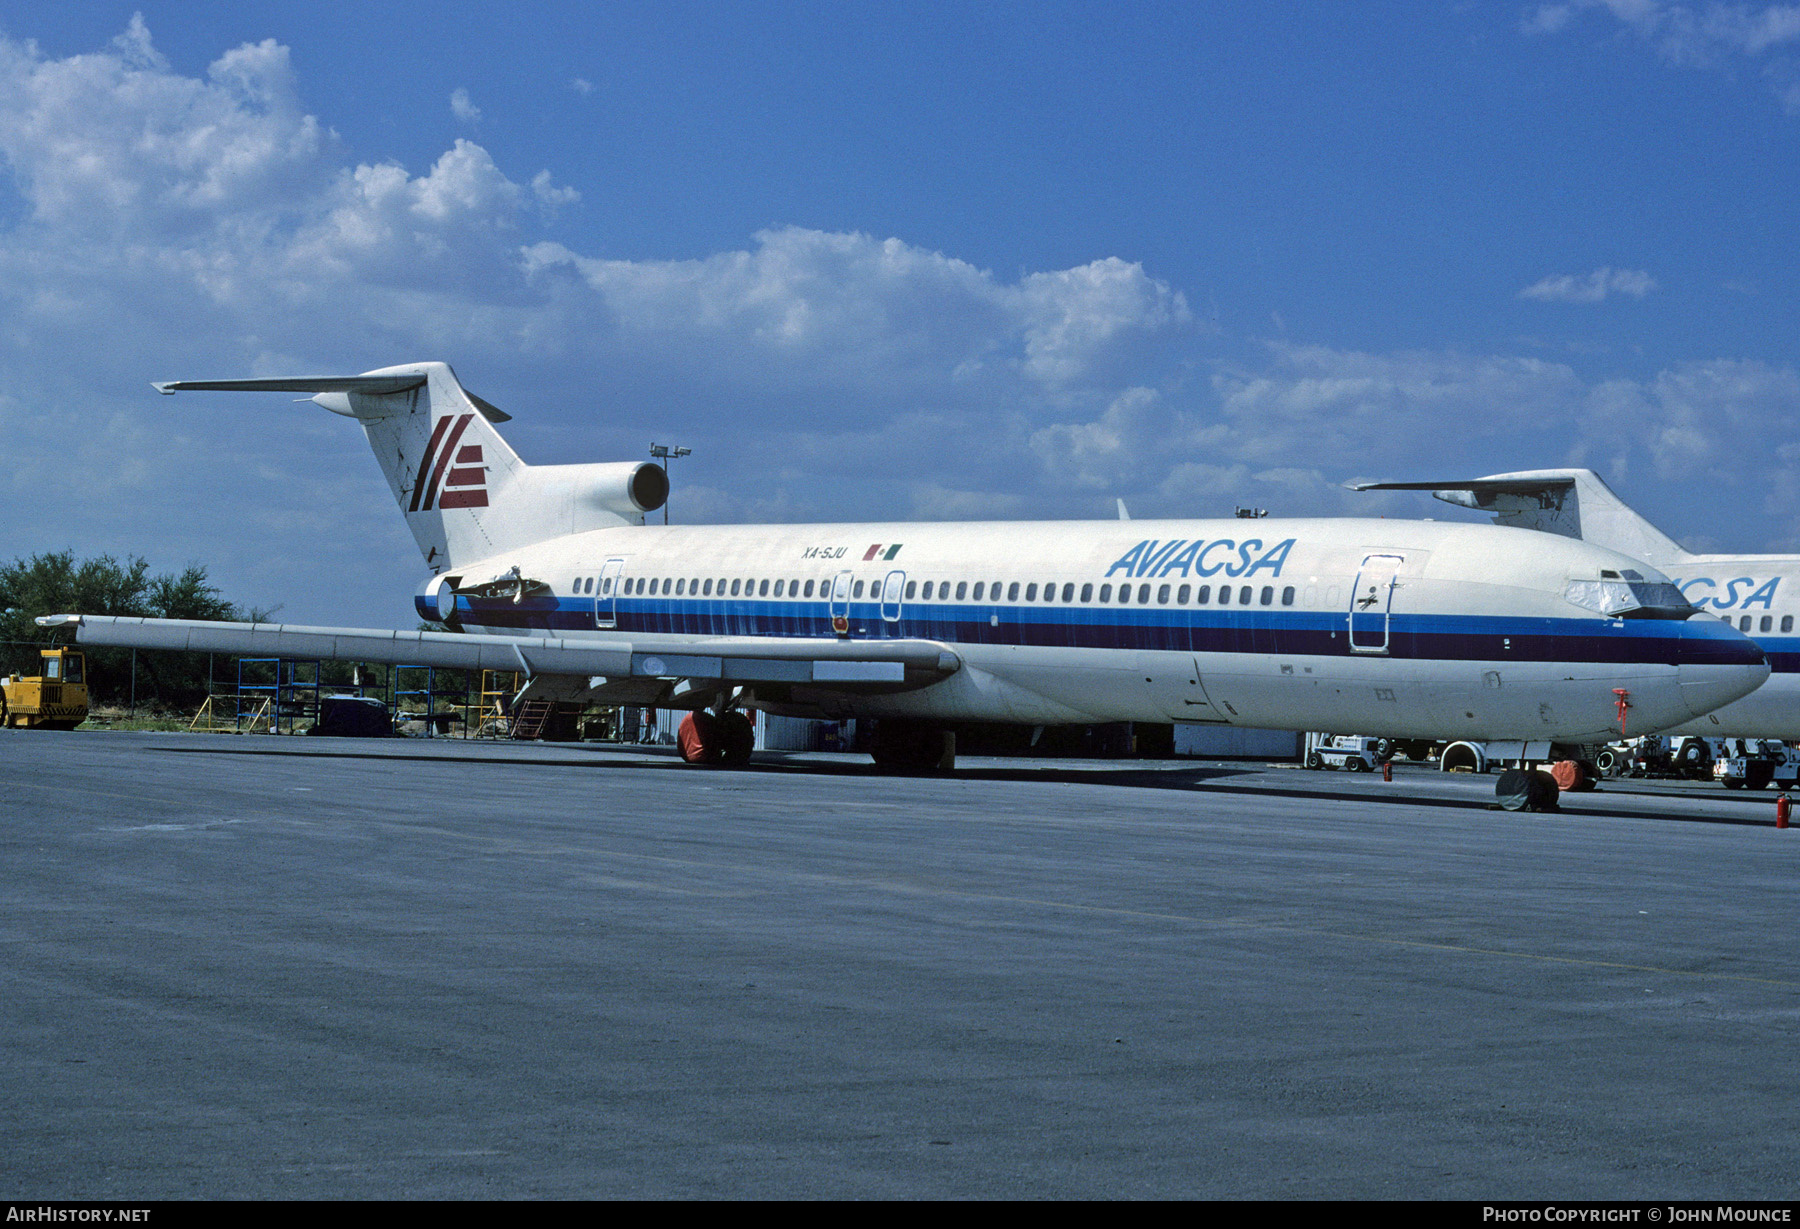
(1718, 665)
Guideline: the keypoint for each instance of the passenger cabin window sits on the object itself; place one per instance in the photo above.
(1787, 623)
(1268, 595)
(1105, 593)
(1287, 596)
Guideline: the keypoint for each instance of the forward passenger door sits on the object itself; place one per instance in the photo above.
(1372, 601)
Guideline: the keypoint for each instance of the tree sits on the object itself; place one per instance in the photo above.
(54, 583)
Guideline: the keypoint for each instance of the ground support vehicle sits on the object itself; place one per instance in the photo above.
(1756, 763)
(1658, 756)
(1351, 752)
(56, 698)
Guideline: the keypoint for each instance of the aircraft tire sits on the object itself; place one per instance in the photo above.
(699, 738)
(737, 739)
(912, 746)
(1574, 776)
(1520, 789)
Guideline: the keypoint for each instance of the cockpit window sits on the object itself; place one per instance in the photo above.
(1630, 599)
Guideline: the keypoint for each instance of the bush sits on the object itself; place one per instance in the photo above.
(54, 583)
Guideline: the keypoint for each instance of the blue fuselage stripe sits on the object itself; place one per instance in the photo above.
(1251, 630)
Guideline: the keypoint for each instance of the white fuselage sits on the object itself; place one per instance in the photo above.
(1416, 629)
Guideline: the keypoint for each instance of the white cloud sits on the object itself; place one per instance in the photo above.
(1709, 35)
(1117, 450)
(462, 108)
(1596, 286)
(809, 306)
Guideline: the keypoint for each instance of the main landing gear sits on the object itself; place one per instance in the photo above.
(725, 738)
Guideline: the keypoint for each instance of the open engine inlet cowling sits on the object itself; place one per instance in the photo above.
(436, 599)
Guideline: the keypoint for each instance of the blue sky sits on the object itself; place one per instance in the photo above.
(894, 261)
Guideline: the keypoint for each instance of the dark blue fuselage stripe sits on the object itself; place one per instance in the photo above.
(1251, 630)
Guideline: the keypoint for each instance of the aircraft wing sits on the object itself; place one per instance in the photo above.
(888, 665)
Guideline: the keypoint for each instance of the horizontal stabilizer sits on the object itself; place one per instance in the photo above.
(1511, 486)
(1574, 503)
(374, 386)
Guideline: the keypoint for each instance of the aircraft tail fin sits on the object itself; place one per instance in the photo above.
(1575, 503)
(465, 493)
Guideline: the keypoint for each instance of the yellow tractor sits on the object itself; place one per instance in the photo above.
(56, 699)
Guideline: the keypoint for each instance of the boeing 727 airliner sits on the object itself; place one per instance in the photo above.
(1414, 628)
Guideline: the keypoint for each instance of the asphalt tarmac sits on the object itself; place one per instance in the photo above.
(258, 967)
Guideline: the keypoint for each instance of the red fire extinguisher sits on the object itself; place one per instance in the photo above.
(1782, 808)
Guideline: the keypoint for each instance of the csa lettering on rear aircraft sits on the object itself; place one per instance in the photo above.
(1198, 557)
(1739, 593)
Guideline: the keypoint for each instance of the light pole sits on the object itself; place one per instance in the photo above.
(667, 453)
